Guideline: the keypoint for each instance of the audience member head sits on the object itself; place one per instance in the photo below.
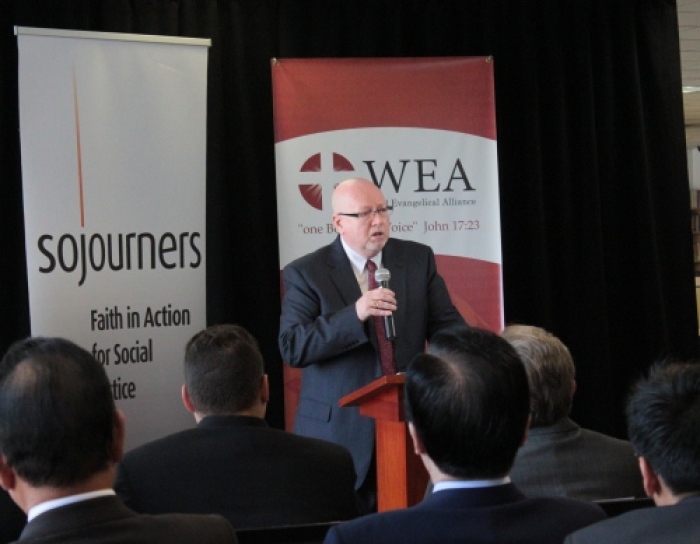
(550, 372)
(224, 373)
(467, 404)
(663, 423)
(58, 424)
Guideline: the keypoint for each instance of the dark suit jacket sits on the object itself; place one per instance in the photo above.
(677, 524)
(12, 519)
(483, 515)
(320, 331)
(565, 460)
(107, 521)
(240, 468)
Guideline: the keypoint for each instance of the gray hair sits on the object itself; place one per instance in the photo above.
(550, 371)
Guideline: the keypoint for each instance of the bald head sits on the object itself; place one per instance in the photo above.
(350, 192)
(366, 235)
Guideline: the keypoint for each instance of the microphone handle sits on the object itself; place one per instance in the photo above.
(389, 328)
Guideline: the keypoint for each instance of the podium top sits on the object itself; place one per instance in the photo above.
(373, 389)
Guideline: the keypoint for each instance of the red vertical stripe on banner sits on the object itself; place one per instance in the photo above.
(79, 151)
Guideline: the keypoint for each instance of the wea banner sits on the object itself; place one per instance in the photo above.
(424, 130)
(113, 142)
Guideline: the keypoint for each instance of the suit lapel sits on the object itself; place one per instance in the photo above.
(341, 273)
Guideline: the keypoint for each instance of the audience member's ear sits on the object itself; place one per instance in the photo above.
(573, 387)
(527, 428)
(7, 475)
(118, 434)
(652, 484)
(265, 390)
(186, 400)
(418, 446)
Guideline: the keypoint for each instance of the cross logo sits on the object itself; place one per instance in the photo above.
(312, 193)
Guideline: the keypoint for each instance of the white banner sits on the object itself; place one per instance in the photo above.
(113, 139)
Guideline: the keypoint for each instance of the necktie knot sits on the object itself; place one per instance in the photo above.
(371, 269)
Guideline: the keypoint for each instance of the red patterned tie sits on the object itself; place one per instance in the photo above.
(386, 347)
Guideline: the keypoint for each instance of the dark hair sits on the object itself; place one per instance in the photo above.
(468, 400)
(56, 412)
(550, 371)
(223, 369)
(663, 422)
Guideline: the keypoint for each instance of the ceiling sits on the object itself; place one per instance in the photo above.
(689, 31)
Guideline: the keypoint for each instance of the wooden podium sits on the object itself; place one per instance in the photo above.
(401, 476)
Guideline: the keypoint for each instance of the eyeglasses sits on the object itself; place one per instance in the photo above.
(381, 212)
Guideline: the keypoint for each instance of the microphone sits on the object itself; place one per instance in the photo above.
(382, 277)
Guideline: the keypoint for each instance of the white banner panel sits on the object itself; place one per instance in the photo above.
(113, 140)
(428, 203)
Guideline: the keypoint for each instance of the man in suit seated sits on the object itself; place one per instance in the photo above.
(663, 422)
(559, 458)
(232, 463)
(467, 405)
(60, 438)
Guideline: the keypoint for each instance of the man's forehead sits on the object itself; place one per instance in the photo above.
(367, 198)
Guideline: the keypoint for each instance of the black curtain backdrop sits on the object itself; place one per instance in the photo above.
(593, 178)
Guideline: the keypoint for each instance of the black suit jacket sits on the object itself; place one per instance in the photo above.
(677, 524)
(474, 516)
(107, 521)
(320, 332)
(12, 519)
(240, 468)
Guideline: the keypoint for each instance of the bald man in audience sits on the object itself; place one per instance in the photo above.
(232, 462)
(663, 422)
(60, 439)
(559, 458)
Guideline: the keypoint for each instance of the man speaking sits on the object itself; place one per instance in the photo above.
(333, 319)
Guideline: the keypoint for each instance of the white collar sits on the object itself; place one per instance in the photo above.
(470, 484)
(63, 501)
(357, 260)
